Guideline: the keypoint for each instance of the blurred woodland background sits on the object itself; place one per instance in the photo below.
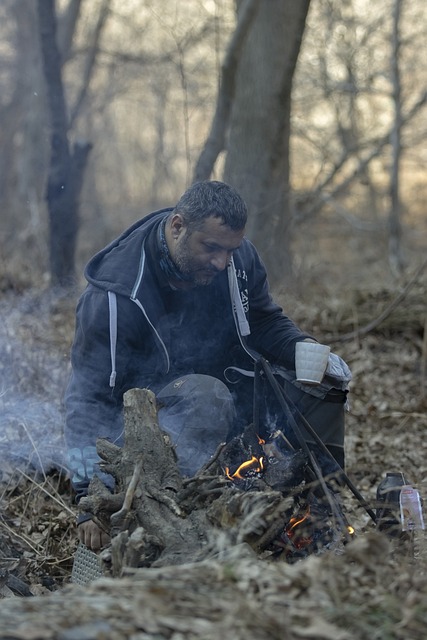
(315, 111)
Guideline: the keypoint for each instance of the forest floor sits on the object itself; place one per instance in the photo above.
(375, 588)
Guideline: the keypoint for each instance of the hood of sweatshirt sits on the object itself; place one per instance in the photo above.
(118, 267)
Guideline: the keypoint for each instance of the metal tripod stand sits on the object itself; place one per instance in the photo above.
(293, 417)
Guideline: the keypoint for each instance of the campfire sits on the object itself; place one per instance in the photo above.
(309, 524)
(255, 493)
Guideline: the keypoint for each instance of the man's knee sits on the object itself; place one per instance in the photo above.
(197, 412)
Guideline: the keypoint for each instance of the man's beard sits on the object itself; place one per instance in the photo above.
(193, 272)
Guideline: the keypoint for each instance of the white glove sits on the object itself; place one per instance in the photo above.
(338, 369)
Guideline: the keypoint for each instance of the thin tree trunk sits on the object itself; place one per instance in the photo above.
(215, 142)
(257, 161)
(66, 169)
(93, 46)
(395, 227)
(67, 22)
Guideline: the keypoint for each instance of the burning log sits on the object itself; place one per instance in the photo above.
(244, 498)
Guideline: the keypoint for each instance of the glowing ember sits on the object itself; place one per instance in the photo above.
(291, 530)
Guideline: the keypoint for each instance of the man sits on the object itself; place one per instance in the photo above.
(180, 304)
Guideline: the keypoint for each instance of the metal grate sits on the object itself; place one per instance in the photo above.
(86, 566)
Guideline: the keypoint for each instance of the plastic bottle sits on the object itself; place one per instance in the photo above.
(411, 512)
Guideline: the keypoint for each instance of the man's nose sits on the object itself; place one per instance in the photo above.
(220, 260)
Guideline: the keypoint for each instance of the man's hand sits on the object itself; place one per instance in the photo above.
(92, 536)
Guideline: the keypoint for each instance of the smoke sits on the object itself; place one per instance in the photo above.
(35, 337)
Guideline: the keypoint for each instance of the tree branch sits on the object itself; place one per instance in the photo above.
(387, 311)
(216, 138)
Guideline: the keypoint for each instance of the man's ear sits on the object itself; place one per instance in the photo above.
(177, 225)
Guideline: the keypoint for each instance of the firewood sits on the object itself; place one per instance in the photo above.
(148, 482)
(158, 518)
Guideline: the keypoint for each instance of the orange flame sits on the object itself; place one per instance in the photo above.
(254, 464)
(294, 522)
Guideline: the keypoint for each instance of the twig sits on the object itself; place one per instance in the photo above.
(30, 438)
(48, 537)
(280, 433)
(23, 538)
(163, 498)
(56, 562)
(120, 518)
(387, 311)
(211, 460)
(39, 486)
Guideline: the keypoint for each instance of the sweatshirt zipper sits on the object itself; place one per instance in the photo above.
(141, 307)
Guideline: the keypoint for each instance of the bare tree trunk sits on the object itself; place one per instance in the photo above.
(395, 228)
(21, 116)
(66, 27)
(216, 139)
(66, 168)
(257, 162)
(90, 59)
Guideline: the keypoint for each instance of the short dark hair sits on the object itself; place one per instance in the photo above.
(212, 198)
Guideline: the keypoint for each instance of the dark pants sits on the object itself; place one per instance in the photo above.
(199, 412)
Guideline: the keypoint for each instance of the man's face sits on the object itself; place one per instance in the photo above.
(205, 252)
